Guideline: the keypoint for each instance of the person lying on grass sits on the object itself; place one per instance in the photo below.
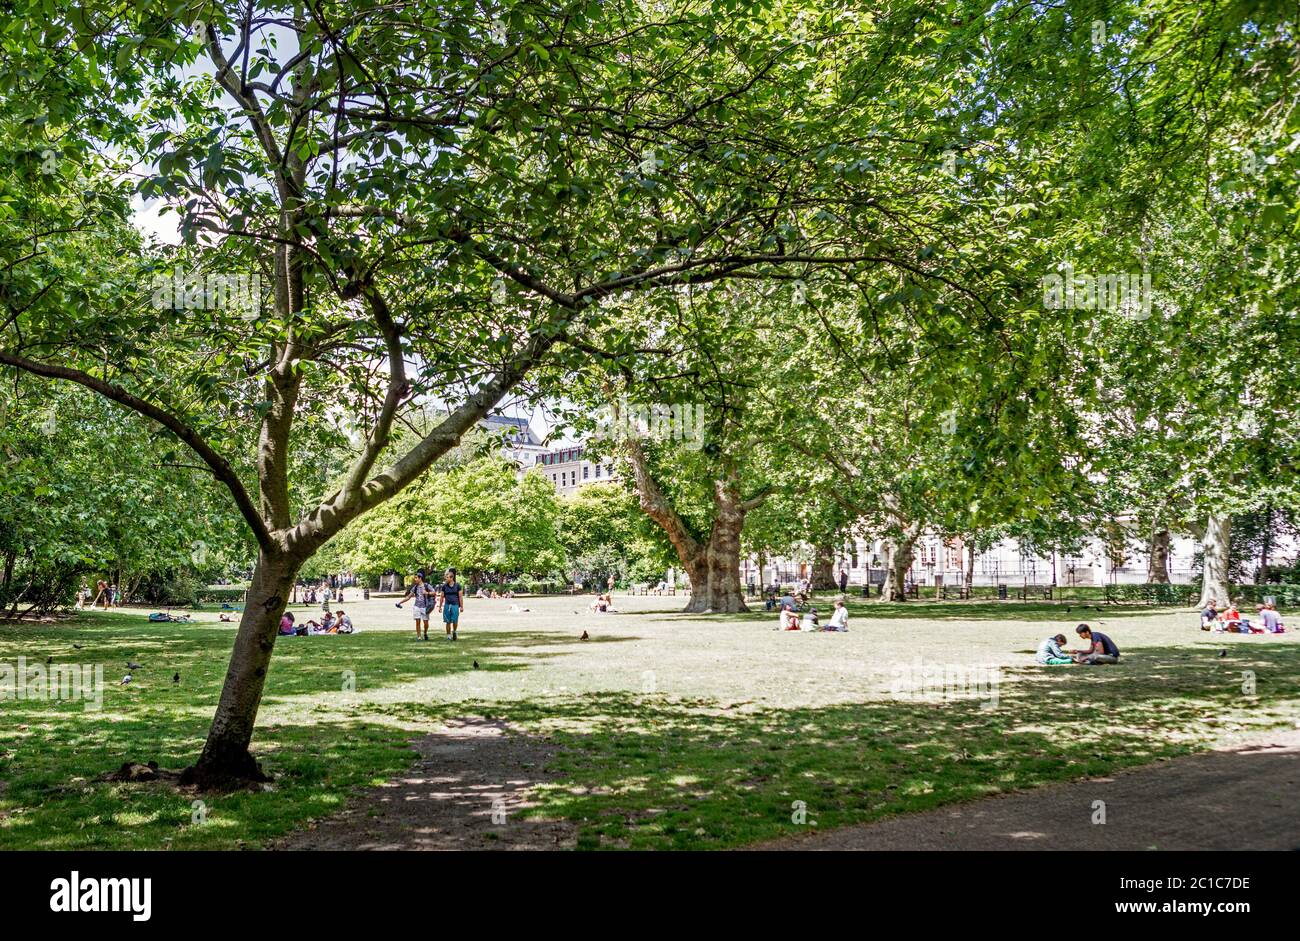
(1100, 649)
(1051, 652)
(286, 624)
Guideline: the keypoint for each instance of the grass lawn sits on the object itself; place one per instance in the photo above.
(675, 730)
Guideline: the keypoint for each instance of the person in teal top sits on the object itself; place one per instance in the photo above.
(1051, 652)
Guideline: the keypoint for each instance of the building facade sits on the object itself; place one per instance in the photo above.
(570, 470)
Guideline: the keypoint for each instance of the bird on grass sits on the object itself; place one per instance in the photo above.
(584, 636)
(176, 678)
(475, 664)
(76, 646)
(126, 679)
(49, 660)
(133, 666)
(1223, 653)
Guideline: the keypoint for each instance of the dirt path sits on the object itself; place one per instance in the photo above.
(1239, 796)
(447, 800)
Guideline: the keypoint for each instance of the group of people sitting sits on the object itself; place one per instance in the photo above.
(1098, 649)
(329, 623)
(603, 604)
(791, 621)
(493, 593)
(1230, 621)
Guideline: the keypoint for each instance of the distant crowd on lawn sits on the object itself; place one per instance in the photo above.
(797, 614)
(331, 622)
(1230, 621)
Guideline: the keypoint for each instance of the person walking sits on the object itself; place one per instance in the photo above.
(421, 592)
(844, 582)
(451, 598)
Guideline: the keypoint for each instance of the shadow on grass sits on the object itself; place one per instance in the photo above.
(54, 753)
(651, 773)
(636, 771)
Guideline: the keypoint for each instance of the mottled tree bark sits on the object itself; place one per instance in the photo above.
(898, 559)
(1215, 546)
(1158, 557)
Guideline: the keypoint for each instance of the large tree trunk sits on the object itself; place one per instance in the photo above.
(1215, 546)
(823, 573)
(898, 559)
(226, 760)
(713, 565)
(1158, 557)
(714, 568)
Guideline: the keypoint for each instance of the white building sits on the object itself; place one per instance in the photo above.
(936, 561)
(569, 470)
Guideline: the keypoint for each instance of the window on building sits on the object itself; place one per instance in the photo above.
(584, 471)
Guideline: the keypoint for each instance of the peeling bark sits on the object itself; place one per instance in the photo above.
(1158, 557)
(898, 559)
(1215, 546)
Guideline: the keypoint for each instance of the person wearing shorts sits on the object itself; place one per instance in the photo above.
(423, 596)
(451, 598)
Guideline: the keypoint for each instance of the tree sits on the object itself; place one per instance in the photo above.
(604, 534)
(480, 517)
(87, 491)
(420, 187)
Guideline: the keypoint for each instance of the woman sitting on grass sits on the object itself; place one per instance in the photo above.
(840, 619)
(323, 626)
(1272, 620)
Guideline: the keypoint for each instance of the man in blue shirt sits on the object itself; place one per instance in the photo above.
(1101, 649)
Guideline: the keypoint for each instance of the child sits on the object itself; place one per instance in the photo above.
(810, 621)
(840, 619)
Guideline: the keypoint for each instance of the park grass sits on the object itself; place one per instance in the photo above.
(54, 755)
(650, 773)
(633, 770)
